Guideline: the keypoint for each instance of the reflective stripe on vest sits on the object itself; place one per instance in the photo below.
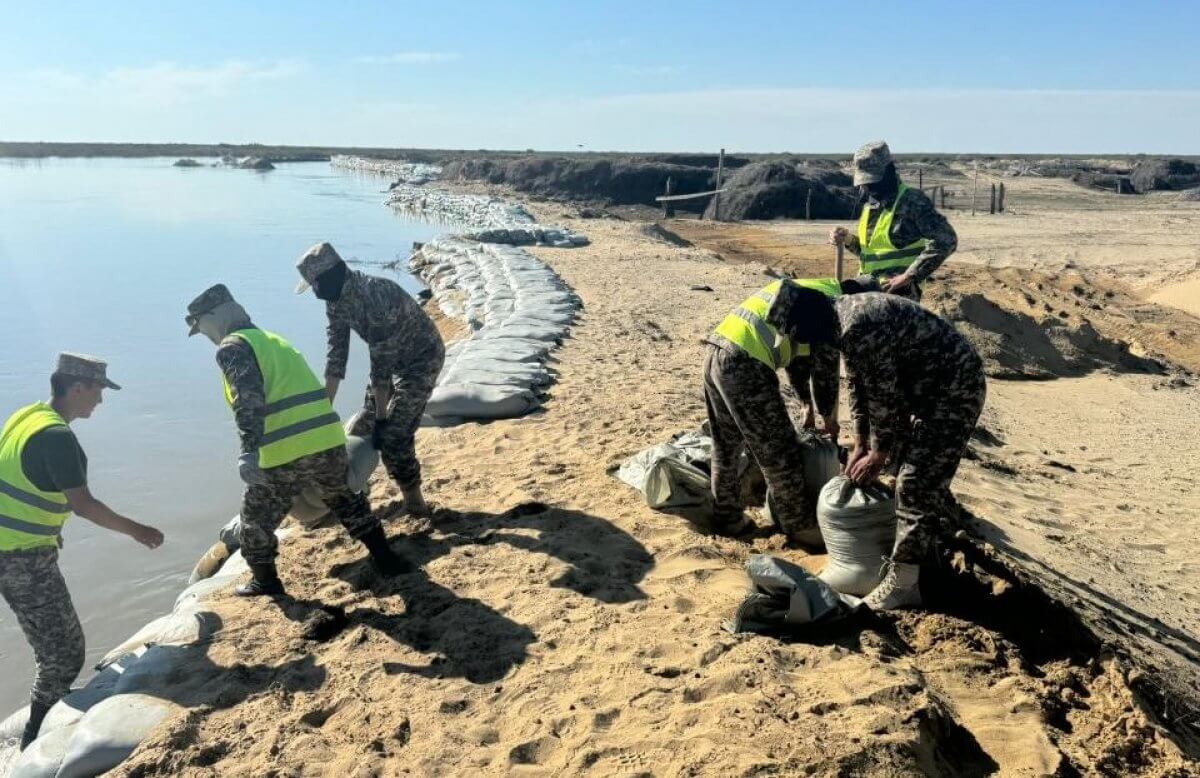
(29, 517)
(299, 417)
(877, 254)
(747, 328)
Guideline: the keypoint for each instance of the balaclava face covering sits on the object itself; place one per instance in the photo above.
(885, 189)
(222, 320)
(805, 315)
(329, 285)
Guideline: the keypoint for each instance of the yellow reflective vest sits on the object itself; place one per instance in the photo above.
(877, 256)
(747, 329)
(300, 419)
(29, 517)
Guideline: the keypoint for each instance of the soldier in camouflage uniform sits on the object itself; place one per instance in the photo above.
(43, 478)
(901, 237)
(912, 378)
(746, 410)
(406, 357)
(271, 487)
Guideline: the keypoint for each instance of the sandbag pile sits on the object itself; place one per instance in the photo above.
(480, 218)
(414, 173)
(859, 528)
(518, 310)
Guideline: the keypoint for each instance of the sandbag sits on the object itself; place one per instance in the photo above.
(102, 685)
(669, 475)
(178, 628)
(784, 597)
(859, 527)
(44, 756)
(14, 726)
(820, 463)
(551, 333)
(203, 590)
(210, 563)
(109, 733)
(471, 401)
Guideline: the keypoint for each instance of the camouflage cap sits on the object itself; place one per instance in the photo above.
(314, 262)
(207, 300)
(83, 366)
(870, 162)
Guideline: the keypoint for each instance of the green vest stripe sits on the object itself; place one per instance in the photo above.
(746, 326)
(299, 399)
(28, 527)
(299, 427)
(766, 335)
(30, 498)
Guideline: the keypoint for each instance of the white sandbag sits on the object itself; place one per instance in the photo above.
(550, 333)
(490, 378)
(44, 756)
(182, 628)
(820, 462)
(102, 685)
(109, 733)
(14, 726)
(201, 591)
(470, 401)
(859, 527)
(530, 371)
(506, 349)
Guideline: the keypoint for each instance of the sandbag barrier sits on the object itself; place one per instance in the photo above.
(413, 173)
(518, 311)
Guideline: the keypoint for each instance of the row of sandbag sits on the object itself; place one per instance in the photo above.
(415, 173)
(482, 218)
(518, 310)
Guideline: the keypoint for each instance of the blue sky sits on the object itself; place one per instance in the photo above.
(1068, 76)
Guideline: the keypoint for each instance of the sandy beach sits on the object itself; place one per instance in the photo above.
(559, 626)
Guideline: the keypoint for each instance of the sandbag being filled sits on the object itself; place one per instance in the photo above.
(859, 527)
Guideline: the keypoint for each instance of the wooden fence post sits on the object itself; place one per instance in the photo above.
(1000, 202)
(717, 197)
(668, 205)
(837, 266)
(808, 205)
(942, 195)
(975, 189)
(992, 202)
(921, 179)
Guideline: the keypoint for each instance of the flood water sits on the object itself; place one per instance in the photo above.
(102, 257)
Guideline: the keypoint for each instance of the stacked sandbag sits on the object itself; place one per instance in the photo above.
(518, 311)
(413, 173)
(859, 528)
(481, 218)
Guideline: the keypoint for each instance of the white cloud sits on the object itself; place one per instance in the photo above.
(410, 58)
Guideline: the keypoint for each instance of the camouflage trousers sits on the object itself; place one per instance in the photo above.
(932, 449)
(745, 409)
(411, 387)
(264, 506)
(33, 587)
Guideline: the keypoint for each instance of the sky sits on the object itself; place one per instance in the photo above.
(655, 75)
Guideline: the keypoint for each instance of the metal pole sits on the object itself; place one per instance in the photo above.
(837, 267)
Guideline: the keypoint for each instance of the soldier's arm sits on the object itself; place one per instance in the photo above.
(858, 407)
(237, 362)
(338, 334)
(798, 372)
(934, 227)
(85, 505)
(826, 364)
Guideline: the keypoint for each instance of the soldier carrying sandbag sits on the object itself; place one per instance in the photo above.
(43, 479)
(291, 438)
(917, 388)
(406, 356)
(901, 237)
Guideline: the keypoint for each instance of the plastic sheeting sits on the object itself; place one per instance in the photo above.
(785, 597)
(859, 527)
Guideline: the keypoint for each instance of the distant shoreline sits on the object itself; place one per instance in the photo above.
(38, 150)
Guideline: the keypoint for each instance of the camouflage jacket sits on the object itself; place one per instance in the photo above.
(392, 323)
(822, 368)
(901, 360)
(237, 361)
(916, 218)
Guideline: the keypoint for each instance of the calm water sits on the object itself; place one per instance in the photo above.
(102, 257)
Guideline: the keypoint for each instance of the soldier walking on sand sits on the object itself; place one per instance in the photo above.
(901, 237)
(746, 409)
(912, 377)
(291, 439)
(406, 356)
(43, 478)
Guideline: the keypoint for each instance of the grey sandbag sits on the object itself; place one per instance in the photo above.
(109, 733)
(44, 756)
(473, 401)
(859, 527)
(820, 463)
(667, 475)
(785, 597)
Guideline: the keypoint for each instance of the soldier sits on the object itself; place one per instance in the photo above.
(291, 439)
(43, 478)
(745, 408)
(912, 377)
(406, 356)
(901, 237)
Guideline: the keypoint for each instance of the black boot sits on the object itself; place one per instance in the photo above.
(265, 582)
(386, 561)
(37, 712)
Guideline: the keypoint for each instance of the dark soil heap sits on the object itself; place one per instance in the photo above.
(772, 190)
(1169, 174)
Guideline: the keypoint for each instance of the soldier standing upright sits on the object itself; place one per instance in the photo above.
(43, 478)
(917, 388)
(901, 237)
(406, 356)
(291, 439)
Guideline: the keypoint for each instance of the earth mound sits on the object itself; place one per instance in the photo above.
(1165, 174)
(617, 182)
(1108, 182)
(771, 190)
(185, 162)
